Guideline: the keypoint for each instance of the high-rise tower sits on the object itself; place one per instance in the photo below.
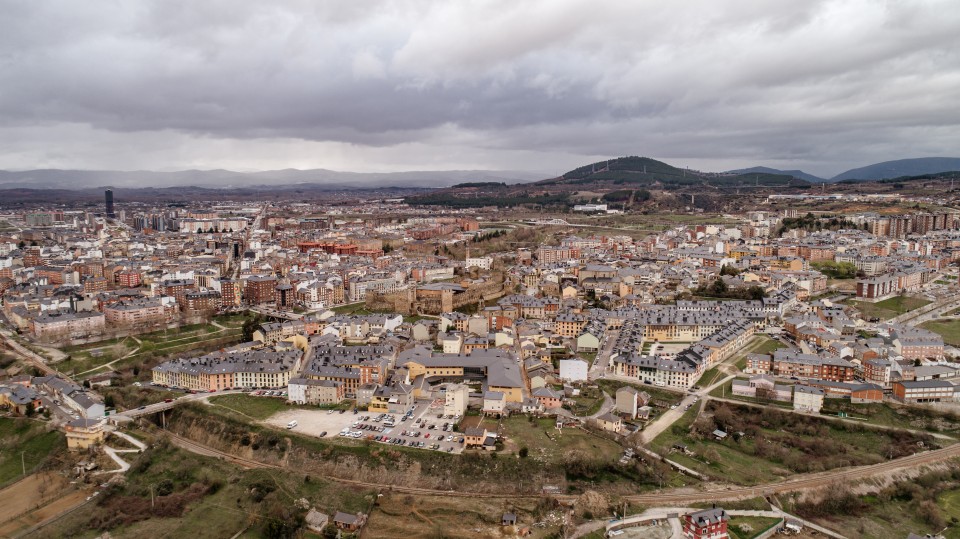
(108, 195)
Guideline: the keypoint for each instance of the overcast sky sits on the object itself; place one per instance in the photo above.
(537, 85)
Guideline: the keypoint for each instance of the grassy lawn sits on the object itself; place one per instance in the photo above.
(777, 444)
(750, 527)
(949, 503)
(259, 408)
(768, 346)
(29, 438)
(889, 308)
(948, 329)
(709, 377)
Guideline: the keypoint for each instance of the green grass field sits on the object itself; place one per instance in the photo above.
(889, 308)
(29, 438)
(741, 527)
(259, 408)
(948, 329)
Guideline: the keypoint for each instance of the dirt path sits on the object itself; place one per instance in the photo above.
(421, 515)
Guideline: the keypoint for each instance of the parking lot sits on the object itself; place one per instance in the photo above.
(417, 427)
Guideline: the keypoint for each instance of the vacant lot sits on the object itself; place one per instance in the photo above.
(889, 308)
(948, 329)
(250, 407)
(547, 443)
(776, 444)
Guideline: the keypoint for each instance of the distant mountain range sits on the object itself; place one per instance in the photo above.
(228, 179)
(879, 171)
(627, 171)
(900, 168)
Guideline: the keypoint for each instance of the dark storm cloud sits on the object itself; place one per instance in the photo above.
(538, 84)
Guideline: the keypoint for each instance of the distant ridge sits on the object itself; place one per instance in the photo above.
(224, 179)
(900, 168)
(767, 170)
(633, 171)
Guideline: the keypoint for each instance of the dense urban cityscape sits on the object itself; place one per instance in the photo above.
(552, 269)
(573, 362)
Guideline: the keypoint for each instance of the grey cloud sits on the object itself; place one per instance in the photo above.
(823, 84)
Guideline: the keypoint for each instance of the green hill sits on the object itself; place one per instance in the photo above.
(636, 171)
